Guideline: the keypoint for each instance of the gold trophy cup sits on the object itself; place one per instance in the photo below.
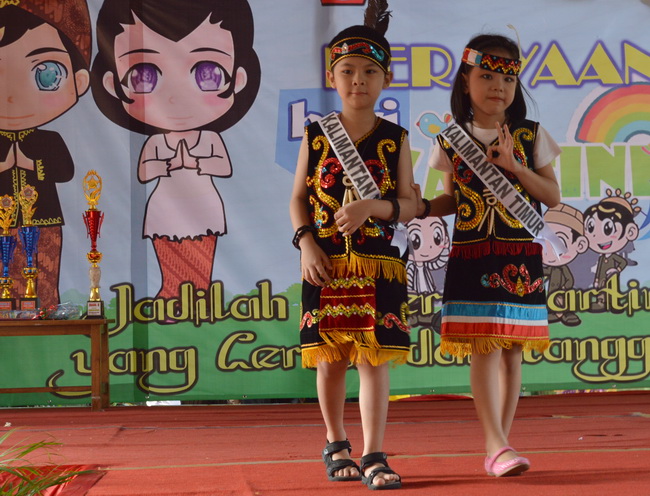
(93, 218)
(28, 234)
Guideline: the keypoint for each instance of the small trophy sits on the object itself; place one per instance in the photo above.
(8, 245)
(93, 218)
(28, 235)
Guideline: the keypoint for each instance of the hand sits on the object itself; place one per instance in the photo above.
(189, 161)
(314, 263)
(501, 154)
(176, 162)
(22, 160)
(351, 216)
(9, 161)
(418, 195)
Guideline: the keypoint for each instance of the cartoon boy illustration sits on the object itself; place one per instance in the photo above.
(609, 227)
(44, 61)
(427, 264)
(567, 223)
(181, 72)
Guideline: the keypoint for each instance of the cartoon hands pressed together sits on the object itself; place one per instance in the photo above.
(182, 158)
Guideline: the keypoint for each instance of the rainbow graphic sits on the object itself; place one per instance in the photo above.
(617, 115)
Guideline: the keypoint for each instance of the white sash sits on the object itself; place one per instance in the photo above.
(349, 157)
(499, 186)
(356, 170)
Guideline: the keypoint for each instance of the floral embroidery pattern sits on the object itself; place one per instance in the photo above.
(520, 287)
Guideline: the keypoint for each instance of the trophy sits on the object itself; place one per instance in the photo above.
(28, 234)
(93, 218)
(8, 245)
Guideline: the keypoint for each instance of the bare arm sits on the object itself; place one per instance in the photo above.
(441, 205)
(314, 263)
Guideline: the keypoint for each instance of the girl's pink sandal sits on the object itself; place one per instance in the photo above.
(507, 468)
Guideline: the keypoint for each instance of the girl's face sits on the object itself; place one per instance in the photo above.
(490, 93)
(359, 82)
(429, 238)
(38, 84)
(176, 86)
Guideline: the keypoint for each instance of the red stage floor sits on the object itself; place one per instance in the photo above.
(589, 444)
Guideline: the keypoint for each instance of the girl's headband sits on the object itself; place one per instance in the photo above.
(492, 63)
(360, 47)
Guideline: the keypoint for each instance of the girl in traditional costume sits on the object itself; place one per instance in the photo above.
(354, 298)
(494, 305)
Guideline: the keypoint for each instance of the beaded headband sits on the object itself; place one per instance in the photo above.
(492, 63)
(360, 47)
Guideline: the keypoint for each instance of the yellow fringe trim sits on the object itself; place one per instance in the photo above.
(364, 349)
(355, 265)
(463, 347)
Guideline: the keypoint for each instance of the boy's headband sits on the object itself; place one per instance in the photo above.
(360, 47)
(493, 63)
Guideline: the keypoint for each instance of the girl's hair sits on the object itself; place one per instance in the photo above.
(173, 19)
(16, 22)
(461, 107)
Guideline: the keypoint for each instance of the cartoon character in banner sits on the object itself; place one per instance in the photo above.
(610, 227)
(44, 60)
(426, 267)
(180, 71)
(567, 223)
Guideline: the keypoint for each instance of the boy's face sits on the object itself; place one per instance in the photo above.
(429, 238)
(573, 248)
(38, 84)
(177, 86)
(608, 236)
(358, 81)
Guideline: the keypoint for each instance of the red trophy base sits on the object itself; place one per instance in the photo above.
(7, 304)
(28, 304)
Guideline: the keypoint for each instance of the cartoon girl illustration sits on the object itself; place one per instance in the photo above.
(181, 72)
(44, 62)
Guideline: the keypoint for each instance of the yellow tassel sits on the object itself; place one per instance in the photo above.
(375, 268)
(364, 350)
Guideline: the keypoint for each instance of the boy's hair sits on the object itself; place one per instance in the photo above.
(16, 22)
(235, 16)
(609, 210)
(461, 107)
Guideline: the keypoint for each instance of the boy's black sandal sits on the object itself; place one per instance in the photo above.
(332, 466)
(372, 459)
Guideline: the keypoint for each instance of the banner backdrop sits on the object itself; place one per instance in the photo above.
(192, 112)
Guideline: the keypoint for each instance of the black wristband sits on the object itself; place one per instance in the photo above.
(396, 209)
(427, 209)
(300, 232)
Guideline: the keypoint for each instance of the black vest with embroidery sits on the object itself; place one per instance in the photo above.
(481, 218)
(367, 251)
